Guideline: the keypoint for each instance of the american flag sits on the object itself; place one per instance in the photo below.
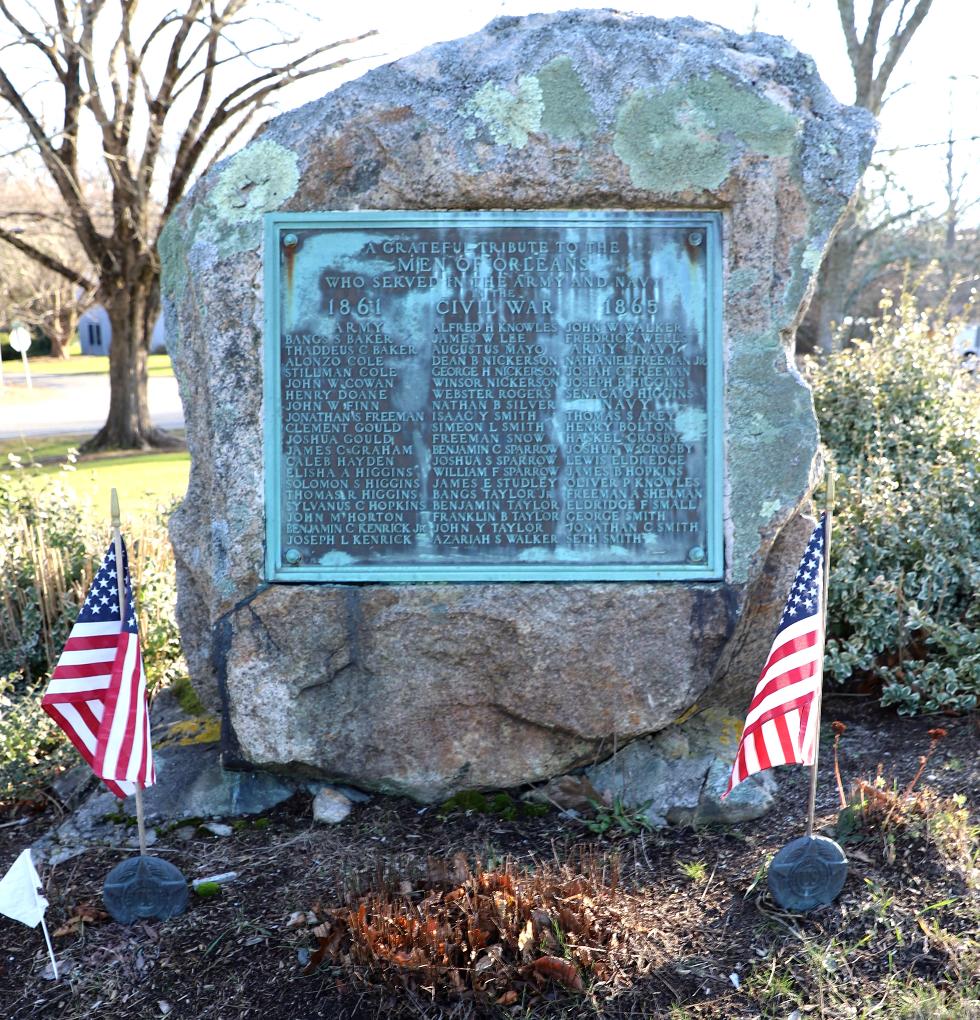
(780, 728)
(97, 693)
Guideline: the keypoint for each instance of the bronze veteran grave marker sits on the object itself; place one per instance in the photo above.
(493, 396)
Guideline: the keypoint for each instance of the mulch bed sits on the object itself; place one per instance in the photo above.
(702, 942)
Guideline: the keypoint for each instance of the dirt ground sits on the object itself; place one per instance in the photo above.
(705, 939)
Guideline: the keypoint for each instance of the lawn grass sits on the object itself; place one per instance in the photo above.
(15, 391)
(54, 449)
(143, 480)
(93, 364)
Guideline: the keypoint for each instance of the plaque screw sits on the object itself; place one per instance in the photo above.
(290, 240)
(696, 555)
(293, 556)
(695, 238)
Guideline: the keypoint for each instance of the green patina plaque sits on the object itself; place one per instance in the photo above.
(489, 396)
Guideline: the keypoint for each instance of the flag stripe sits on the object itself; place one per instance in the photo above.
(784, 736)
(90, 712)
(776, 691)
(84, 644)
(100, 627)
(789, 664)
(80, 688)
(797, 644)
(808, 733)
(82, 656)
(783, 708)
(115, 722)
(131, 743)
(761, 749)
(83, 669)
(68, 718)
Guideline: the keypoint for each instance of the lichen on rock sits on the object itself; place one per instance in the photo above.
(256, 180)
(510, 117)
(688, 137)
(568, 112)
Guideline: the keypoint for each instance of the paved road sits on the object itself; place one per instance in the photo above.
(75, 403)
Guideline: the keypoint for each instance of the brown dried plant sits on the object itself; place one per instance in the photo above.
(838, 729)
(500, 936)
(916, 812)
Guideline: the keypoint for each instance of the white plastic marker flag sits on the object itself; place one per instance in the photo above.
(20, 899)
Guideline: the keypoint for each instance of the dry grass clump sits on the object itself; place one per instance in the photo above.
(502, 935)
(918, 814)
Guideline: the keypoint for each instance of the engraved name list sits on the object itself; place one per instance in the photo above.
(493, 396)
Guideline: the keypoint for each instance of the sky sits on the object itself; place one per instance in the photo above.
(935, 88)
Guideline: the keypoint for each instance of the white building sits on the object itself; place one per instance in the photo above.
(95, 333)
(967, 346)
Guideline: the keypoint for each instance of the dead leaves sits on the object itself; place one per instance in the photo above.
(563, 971)
(84, 913)
(501, 936)
(301, 919)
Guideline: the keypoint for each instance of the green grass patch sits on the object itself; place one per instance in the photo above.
(54, 449)
(144, 480)
(15, 391)
(500, 804)
(93, 364)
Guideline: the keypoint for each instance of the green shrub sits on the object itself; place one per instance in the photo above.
(49, 548)
(45, 570)
(32, 748)
(902, 421)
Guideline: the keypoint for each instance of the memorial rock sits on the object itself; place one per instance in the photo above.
(499, 455)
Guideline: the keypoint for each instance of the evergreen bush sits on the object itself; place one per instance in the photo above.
(902, 421)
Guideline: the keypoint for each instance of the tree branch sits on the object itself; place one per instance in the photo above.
(159, 105)
(44, 259)
(192, 154)
(50, 52)
(233, 133)
(866, 235)
(898, 42)
(845, 9)
(193, 143)
(870, 41)
(239, 54)
(62, 172)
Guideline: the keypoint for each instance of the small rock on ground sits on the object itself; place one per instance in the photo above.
(330, 806)
(217, 828)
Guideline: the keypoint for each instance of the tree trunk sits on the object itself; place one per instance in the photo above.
(130, 304)
(64, 322)
(59, 344)
(829, 305)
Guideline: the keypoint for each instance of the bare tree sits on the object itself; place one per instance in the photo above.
(125, 77)
(958, 204)
(32, 292)
(873, 57)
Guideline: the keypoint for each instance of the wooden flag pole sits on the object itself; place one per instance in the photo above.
(812, 801)
(117, 545)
